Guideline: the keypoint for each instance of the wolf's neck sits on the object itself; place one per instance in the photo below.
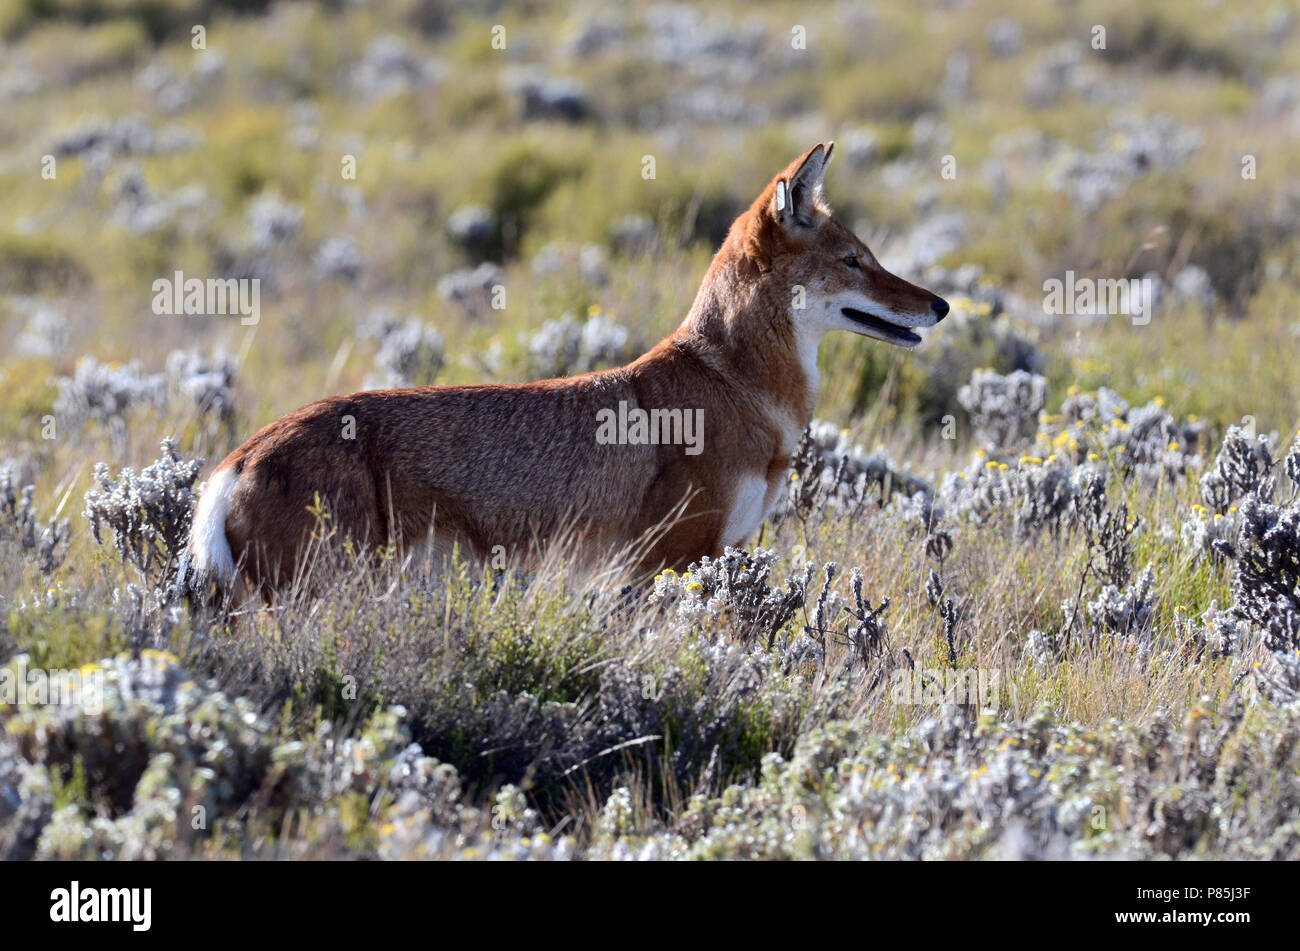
(743, 329)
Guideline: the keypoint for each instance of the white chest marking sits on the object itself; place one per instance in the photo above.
(811, 324)
(747, 510)
(808, 339)
(791, 431)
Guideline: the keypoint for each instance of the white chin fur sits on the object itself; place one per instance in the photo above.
(824, 314)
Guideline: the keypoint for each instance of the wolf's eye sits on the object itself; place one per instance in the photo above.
(852, 261)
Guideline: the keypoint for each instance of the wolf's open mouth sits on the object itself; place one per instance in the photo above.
(885, 328)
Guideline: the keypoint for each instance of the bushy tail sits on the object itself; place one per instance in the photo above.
(209, 557)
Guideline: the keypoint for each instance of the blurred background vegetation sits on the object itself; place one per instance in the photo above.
(228, 161)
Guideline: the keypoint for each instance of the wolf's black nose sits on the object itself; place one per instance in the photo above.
(940, 307)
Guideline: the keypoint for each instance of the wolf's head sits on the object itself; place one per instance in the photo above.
(834, 282)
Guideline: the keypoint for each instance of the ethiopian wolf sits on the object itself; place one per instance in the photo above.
(511, 465)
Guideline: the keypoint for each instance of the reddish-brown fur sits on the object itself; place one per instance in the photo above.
(512, 465)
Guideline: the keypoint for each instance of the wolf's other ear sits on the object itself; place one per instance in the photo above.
(797, 193)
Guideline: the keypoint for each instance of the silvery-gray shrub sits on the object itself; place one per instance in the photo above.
(472, 289)
(568, 346)
(410, 353)
(205, 383)
(148, 513)
(1242, 465)
(831, 474)
(1266, 579)
(106, 394)
(1004, 409)
(19, 525)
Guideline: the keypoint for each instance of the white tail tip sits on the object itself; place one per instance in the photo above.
(209, 547)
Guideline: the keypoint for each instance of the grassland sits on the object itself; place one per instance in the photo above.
(1091, 519)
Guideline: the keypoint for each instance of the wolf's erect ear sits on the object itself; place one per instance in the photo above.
(788, 205)
(798, 189)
